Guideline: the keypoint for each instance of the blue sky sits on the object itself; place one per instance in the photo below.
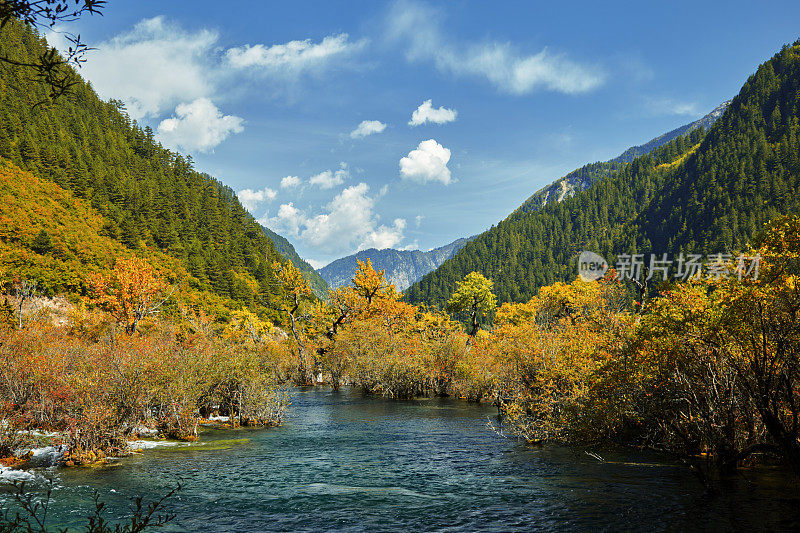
(410, 124)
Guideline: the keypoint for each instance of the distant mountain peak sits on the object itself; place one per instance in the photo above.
(401, 267)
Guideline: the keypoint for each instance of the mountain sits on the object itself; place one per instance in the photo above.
(49, 236)
(77, 246)
(705, 122)
(582, 178)
(708, 191)
(285, 248)
(148, 197)
(401, 267)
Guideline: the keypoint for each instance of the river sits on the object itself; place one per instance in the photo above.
(347, 462)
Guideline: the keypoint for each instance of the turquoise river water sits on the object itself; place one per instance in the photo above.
(346, 462)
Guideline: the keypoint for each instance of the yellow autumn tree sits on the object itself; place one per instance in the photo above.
(293, 301)
(547, 354)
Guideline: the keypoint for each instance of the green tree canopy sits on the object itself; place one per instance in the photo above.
(474, 297)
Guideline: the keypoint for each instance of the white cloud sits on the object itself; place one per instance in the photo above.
(198, 126)
(289, 219)
(418, 220)
(316, 264)
(669, 106)
(367, 127)
(153, 66)
(289, 182)
(350, 218)
(426, 113)
(293, 57)
(330, 179)
(428, 162)
(384, 236)
(501, 64)
(348, 223)
(157, 64)
(251, 199)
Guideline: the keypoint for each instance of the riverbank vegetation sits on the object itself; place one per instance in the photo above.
(109, 368)
(100, 392)
(707, 370)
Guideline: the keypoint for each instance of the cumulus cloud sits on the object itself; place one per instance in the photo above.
(502, 64)
(293, 57)
(289, 219)
(152, 67)
(350, 215)
(347, 223)
(384, 236)
(289, 182)
(330, 179)
(158, 64)
(418, 220)
(251, 199)
(367, 127)
(428, 162)
(427, 113)
(197, 126)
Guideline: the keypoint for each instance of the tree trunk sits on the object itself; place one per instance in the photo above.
(474, 323)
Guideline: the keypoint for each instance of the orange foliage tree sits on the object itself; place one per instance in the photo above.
(546, 355)
(368, 335)
(718, 359)
(131, 291)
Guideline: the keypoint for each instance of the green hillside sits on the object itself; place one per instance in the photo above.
(286, 249)
(148, 195)
(746, 171)
(705, 192)
(57, 240)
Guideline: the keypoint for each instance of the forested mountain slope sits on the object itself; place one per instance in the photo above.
(745, 172)
(704, 122)
(74, 245)
(401, 267)
(584, 177)
(705, 192)
(147, 195)
(50, 237)
(286, 249)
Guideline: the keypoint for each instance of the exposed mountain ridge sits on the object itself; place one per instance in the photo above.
(583, 178)
(401, 267)
(704, 122)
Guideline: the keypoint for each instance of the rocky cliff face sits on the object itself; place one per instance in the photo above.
(583, 177)
(401, 267)
(635, 151)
